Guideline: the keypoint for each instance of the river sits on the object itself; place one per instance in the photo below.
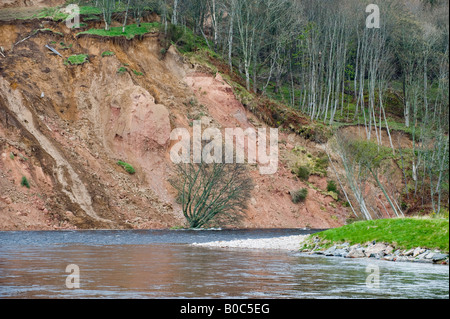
(164, 264)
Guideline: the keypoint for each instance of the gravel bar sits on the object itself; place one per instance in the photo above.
(291, 243)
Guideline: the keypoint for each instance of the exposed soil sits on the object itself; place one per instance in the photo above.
(65, 127)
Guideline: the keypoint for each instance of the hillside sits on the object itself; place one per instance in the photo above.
(64, 127)
(86, 115)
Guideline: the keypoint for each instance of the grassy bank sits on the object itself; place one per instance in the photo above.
(131, 30)
(403, 233)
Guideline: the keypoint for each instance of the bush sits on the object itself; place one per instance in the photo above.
(303, 173)
(25, 182)
(299, 196)
(212, 194)
(127, 167)
(332, 187)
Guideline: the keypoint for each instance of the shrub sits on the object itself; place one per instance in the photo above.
(127, 167)
(299, 196)
(332, 187)
(303, 172)
(24, 182)
(212, 193)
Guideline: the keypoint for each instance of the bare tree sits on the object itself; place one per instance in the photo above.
(212, 192)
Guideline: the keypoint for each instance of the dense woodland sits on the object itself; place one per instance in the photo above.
(320, 58)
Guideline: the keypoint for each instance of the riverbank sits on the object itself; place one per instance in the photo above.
(406, 239)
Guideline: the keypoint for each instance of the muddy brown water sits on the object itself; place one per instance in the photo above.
(163, 264)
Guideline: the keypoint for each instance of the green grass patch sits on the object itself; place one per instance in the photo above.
(127, 167)
(88, 10)
(77, 59)
(131, 30)
(108, 53)
(403, 233)
(122, 70)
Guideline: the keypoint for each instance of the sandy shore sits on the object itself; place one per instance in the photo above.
(279, 243)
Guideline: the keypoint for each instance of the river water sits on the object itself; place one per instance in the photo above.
(163, 264)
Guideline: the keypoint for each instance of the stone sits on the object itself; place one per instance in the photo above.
(438, 257)
(401, 258)
(422, 255)
(355, 246)
(330, 251)
(341, 253)
(408, 252)
(429, 254)
(374, 250)
(388, 258)
(69, 214)
(388, 250)
(356, 253)
(418, 251)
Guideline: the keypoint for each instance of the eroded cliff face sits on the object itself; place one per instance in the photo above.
(64, 127)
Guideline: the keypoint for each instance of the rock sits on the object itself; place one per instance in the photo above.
(438, 257)
(418, 251)
(429, 254)
(408, 252)
(330, 251)
(422, 255)
(341, 253)
(398, 252)
(389, 258)
(388, 250)
(6, 199)
(356, 253)
(375, 250)
(401, 258)
(69, 214)
(354, 246)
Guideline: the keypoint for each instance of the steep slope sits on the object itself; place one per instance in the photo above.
(64, 127)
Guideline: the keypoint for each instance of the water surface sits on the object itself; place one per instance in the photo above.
(163, 264)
